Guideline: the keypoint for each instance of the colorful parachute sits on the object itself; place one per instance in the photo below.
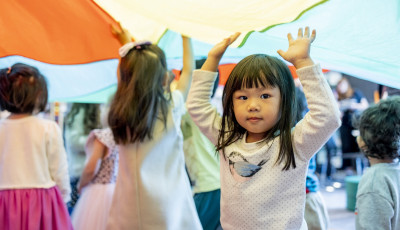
(71, 43)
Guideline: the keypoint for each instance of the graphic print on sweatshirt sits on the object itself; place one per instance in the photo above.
(241, 169)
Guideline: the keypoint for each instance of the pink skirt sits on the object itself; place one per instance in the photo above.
(33, 209)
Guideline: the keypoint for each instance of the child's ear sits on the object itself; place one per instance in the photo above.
(360, 142)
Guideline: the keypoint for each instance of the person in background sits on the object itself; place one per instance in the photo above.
(316, 212)
(378, 194)
(351, 102)
(80, 120)
(97, 183)
(202, 163)
(34, 182)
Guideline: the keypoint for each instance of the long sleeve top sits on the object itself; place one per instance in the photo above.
(32, 155)
(269, 198)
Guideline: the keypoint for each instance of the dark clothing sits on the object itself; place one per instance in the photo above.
(349, 143)
(207, 208)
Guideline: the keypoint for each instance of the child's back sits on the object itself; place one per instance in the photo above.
(152, 181)
(33, 163)
(152, 190)
(93, 207)
(31, 143)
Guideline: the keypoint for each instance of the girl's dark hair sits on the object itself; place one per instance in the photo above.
(254, 71)
(91, 116)
(379, 127)
(140, 98)
(23, 89)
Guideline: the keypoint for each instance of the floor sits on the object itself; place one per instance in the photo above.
(334, 193)
(340, 217)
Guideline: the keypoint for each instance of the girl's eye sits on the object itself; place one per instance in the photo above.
(242, 98)
(265, 96)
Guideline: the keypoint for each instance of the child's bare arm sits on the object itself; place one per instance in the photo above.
(92, 166)
(121, 34)
(216, 53)
(299, 49)
(188, 66)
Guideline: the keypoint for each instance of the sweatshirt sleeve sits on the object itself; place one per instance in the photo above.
(57, 158)
(199, 106)
(323, 117)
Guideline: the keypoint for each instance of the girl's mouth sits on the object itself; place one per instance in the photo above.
(253, 119)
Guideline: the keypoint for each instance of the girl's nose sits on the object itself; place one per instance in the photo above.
(253, 106)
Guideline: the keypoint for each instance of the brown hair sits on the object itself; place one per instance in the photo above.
(23, 89)
(140, 99)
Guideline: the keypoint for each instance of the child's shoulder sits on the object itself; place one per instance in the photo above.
(105, 136)
(46, 123)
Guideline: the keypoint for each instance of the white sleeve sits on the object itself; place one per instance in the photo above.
(323, 117)
(199, 106)
(178, 103)
(57, 159)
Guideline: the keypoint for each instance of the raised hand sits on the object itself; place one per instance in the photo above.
(216, 53)
(121, 34)
(298, 52)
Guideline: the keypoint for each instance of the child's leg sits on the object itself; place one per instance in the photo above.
(208, 208)
(316, 214)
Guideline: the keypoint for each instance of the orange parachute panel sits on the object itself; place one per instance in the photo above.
(56, 32)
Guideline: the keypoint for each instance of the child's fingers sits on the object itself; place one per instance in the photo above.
(289, 37)
(115, 30)
(229, 40)
(313, 35)
(281, 53)
(300, 33)
(307, 32)
(233, 38)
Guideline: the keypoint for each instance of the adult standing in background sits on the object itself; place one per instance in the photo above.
(351, 101)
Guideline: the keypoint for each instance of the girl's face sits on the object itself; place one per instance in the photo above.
(343, 86)
(257, 110)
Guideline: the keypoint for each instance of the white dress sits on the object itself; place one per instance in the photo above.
(93, 207)
(152, 190)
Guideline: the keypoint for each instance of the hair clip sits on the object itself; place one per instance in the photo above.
(9, 70)
(132, 45)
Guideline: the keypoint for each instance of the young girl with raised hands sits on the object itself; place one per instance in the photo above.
(264, 160)
(152, 189)
(34, 182)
